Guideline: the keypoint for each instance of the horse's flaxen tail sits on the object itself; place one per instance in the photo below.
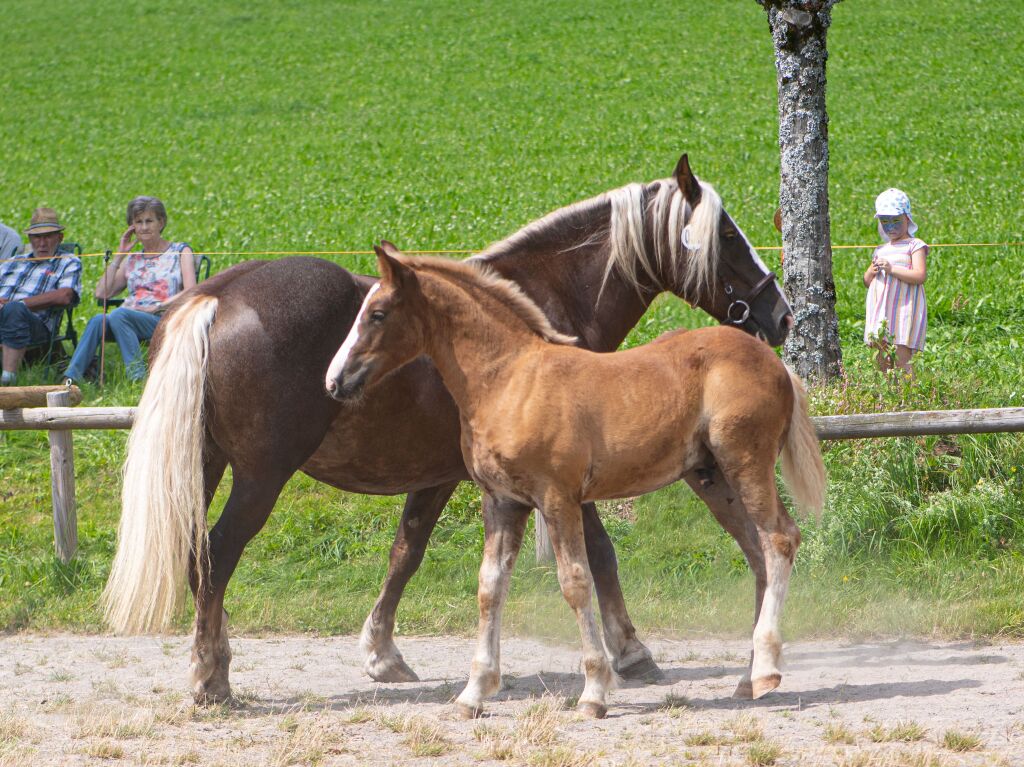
(803, 471)
(163, 514)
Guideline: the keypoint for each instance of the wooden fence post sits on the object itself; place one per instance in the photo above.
(62, 481)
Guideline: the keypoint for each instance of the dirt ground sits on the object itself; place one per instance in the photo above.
(70, 700)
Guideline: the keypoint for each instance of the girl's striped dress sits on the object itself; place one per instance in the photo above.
(900, 304)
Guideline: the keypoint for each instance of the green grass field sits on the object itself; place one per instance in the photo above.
(323, 126)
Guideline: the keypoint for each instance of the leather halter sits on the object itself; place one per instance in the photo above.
(743, 304)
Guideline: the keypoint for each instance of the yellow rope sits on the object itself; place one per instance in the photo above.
(466, 252)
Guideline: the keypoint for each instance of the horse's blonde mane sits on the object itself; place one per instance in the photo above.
(624, 235)
(668, 212)
(479, 275)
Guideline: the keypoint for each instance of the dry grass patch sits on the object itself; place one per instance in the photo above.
(763, 753)
(536, 726)
(500, 743)
(423, 737)
(561, 756)
(212, 712)
(892, 759)
(919, 759)
(837, 732)
(15, 756)
(675, 704)
(56, 704)
(114, 658)
(149, 759)
(902, 732)
(427, 738)
(13, 729)
(304, 743)
(706, 738)
(359, 715)
(674, 700)
(745, 728)
(961, 742)
(96, 722)
(307, 741)
(104, 749)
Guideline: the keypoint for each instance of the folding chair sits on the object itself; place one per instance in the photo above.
(202, 263)
(202, 273)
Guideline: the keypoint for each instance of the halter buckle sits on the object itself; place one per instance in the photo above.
(745, 307)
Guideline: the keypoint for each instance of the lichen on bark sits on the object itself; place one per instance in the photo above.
(799, 32)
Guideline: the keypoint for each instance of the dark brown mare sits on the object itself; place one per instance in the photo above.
(551, 426)
(237, 378)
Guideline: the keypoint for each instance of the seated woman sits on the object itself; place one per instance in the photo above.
(153, 276)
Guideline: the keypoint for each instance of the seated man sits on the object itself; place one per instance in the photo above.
(34, 287)
(10, 242)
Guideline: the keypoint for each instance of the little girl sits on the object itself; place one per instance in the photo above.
(896, 312)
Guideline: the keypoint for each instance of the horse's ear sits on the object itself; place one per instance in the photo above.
(391, 269)
(688, 183)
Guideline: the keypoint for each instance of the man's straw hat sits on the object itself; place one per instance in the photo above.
(44, 221)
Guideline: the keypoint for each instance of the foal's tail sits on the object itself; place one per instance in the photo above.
(163, 513)
(802, 468)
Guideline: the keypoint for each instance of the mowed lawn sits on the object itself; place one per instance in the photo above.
(315, 126)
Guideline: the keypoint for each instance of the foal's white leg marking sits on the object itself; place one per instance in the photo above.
(353, 335)
(485, 671)
(764, 671)
(599, 677)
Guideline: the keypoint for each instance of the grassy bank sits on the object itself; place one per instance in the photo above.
(313, 126)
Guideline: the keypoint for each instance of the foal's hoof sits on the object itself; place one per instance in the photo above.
(592, 710)
(643, 670)
(393, 670)
(744, 690)
(466, 711)
(764, 685)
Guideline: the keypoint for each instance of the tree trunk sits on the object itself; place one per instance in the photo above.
(798, 31)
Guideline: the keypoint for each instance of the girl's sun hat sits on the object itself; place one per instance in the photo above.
(894, 202)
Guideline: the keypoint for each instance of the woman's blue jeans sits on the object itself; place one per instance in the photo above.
(125, 326)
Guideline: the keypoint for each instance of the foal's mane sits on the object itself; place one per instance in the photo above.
(623, 235)
(475, 274)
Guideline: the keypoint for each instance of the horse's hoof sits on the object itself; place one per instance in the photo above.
(643, 670)
(466, 711)
(764, 685)
(396, 670)
(211, 696)
(744, 690)
(592, 710)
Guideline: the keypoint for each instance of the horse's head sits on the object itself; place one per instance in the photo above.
(388, 332)
(726, 277)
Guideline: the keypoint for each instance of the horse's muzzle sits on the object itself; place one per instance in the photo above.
(344, 387)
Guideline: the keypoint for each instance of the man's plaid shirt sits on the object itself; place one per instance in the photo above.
(21, 278)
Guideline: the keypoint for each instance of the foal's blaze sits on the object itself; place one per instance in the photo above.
(710, 405)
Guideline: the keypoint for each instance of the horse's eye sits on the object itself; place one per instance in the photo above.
(377, 316)
(729, 235)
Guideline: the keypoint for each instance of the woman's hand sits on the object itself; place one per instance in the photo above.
(128, 240)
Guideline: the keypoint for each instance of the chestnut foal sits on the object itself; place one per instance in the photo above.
(551, 425)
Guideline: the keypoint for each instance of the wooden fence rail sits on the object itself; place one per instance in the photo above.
(67, 418)
(830, 427)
